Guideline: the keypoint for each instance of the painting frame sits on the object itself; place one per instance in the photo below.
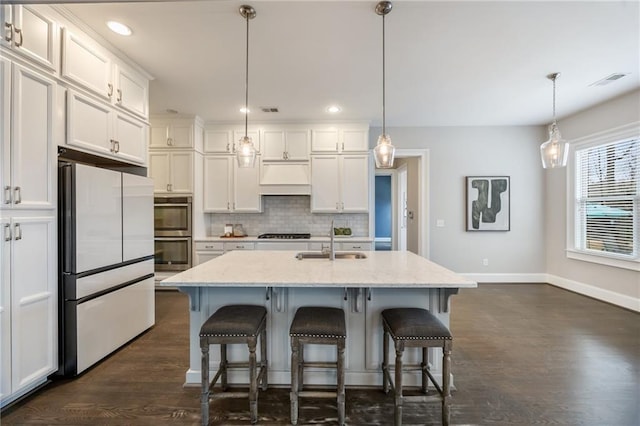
(488, 203)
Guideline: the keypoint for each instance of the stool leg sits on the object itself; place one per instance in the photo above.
(300, 366)
(341, 393)
(263, 359)
(253, 381)
(223, 367)
(424, 367)
(398, 385)
(385, 360)
(204, 397)
(294, 380)
(446, 382)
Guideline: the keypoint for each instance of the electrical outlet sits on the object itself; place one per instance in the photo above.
(485, 262)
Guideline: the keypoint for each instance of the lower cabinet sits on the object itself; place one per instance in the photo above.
(28, 304)
(205, 251)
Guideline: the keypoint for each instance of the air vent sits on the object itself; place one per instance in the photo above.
(609, 79)
(269, 109)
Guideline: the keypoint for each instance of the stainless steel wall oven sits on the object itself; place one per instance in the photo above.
(173, 235)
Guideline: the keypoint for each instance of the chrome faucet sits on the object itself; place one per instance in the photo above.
(331, 251)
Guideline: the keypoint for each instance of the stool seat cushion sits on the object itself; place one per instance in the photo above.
(311, 321)
(234, 321)
(414, 324)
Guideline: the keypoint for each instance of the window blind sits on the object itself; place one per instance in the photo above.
(608, 199)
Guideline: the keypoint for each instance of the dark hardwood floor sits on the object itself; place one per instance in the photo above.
(523, 354)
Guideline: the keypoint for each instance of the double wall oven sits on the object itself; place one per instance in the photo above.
(173, 235)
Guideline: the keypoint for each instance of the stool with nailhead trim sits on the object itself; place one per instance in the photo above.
(234, 324)
(322, 326)
(414, 327)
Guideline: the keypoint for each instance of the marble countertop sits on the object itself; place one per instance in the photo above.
(383, 269)
(254, 238)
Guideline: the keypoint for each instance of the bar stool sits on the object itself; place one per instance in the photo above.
(322, 326)
(414, 327)
(234, 324)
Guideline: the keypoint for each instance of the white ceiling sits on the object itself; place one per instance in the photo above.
(448, 63)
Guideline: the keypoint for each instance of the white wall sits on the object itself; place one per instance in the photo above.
(456, 152)
(615, 285)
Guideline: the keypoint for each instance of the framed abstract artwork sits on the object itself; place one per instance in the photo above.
(488, 203)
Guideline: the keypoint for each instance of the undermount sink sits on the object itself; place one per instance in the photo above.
(352, 255)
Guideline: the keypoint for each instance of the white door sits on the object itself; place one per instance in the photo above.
(89, 124)
(87, 64)
(218, 141)
(131, 139)
(181, 134)
(355, 140)
(98, 217)
(217, 183)
(325, 184)
(324, 140)
(402, 208)
(273, 145)
(137, 216)
(159, 134)
(132, 91)
(181, 168)
(32, 150)
(355, 183)
(5, 130)
(34, 321)
(159, 170)
(246, 184)
(35, 36)
(5, 308)
(298, 144)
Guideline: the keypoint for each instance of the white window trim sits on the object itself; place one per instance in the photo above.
(627, 131)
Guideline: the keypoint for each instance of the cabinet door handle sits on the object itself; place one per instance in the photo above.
(19, 32)
(9, 27)
(170, 186)
(170, 141)
(112, 149)
(119, 98)
(228, 146)
(109, 89)
(336, 146)
(117, 146)
(17, 195)
(337, 206)
(343, 146)
(342, 206)
(7, 195)
(18, 231)
(228, 205)
(7, 232)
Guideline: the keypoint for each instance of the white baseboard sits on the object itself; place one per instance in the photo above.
(628, 302)
(507, 278)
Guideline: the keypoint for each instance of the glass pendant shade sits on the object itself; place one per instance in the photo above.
(384, 152)
(555, 151)
(246, 153)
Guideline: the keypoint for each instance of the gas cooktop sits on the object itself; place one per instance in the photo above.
(285, 236)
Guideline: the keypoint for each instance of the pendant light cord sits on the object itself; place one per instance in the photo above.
(384, 131)
(246, 84)
(554, 99)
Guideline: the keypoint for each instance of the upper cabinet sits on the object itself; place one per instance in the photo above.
(171, 133)
(32, 33)
(94, 68)
(340, 183)
(225, 139)
(285, 145)
(342, 138)
(27, 167)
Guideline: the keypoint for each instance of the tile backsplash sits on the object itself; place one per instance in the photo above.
(291, 214)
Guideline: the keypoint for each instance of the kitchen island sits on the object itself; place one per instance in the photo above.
(282, 283)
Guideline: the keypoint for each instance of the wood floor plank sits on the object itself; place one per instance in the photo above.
(523, 354)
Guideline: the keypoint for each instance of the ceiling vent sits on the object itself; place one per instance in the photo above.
(269, 109)
(609, 79)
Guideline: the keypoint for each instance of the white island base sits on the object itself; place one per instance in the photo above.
(281, 283)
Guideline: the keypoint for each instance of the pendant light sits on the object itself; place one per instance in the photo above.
(246, 152)
(555, 151)
(384, 150)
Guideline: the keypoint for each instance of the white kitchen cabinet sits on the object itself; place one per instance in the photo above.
(5, 309)
(238, 245)
(206, 251)
(28, 156)
(225, 139)
(340, 139)
(177, 133)
(229, 188)
(94, 68)
(340, 183)
(29, 31)
(29, 291)
(97, 127)
(171, 171)
(285, 145)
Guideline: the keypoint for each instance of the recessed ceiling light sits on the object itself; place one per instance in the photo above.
(245, 110)
(333, 109)
(119, 28)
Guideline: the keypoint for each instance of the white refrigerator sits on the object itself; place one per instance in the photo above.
(106, 263)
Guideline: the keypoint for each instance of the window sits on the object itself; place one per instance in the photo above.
(607, 199)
